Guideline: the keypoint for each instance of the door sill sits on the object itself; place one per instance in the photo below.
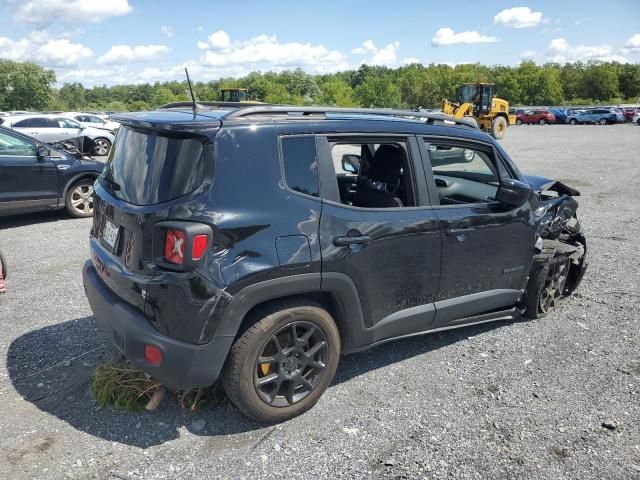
(500, 315)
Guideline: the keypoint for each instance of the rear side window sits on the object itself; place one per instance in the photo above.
(145, 168)
(300, 164)
(40, 122)
(21, 123)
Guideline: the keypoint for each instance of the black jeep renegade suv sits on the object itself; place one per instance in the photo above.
(255, 244)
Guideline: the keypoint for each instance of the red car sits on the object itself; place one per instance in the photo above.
(629, 113)
(535, 116)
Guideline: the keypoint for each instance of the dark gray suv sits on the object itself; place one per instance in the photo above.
(256, 244)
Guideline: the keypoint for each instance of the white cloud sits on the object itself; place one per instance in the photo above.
(633, 44)
(46, 12)
(219, 39)
(518, 17)
(446, 36)
(265, 52)
(119, 54)
(561, 51)
(43, 49)
(386, 55)
(168, 31)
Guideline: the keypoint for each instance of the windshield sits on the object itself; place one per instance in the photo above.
(466, 93)
(146, 168)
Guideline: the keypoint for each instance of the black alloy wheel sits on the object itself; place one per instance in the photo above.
(291, 364)
(283, 362)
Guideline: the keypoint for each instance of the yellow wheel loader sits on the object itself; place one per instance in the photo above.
(476, 100)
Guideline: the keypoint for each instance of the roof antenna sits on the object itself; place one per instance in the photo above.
(193, 97)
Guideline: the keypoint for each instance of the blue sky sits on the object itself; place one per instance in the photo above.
(132, 41)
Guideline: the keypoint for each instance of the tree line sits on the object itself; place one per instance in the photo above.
(27, 86)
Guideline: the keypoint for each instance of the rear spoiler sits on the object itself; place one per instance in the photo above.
(176, 123)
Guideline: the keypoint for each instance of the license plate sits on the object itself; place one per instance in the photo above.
(110, 234)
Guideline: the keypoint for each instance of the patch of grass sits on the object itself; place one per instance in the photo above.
(122, 386)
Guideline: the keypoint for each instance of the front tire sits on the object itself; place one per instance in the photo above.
(603, 121)
(283, 363)
(542, 121)
(546, 283)
(102, 147)
(498, 127)
(78, 201)
(573, 121)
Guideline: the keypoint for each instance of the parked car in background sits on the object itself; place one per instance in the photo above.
(560, 114)
(636, 118)
(602, 116)
(541, 117)
(34, 177)
(57, 128)
(91, 120)
(629, 113)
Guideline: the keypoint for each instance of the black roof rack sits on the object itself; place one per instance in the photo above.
(206, 104)
(292, 111)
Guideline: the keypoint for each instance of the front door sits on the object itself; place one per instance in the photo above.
(26, 182)
(376, 230)
(487, 247)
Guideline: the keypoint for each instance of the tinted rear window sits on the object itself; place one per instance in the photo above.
(145, 168)
(300, 168)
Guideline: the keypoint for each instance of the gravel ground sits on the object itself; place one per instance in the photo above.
(548, 399)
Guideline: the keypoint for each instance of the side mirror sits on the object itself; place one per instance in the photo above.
(350, 163)
(513, 192)
(42, 151)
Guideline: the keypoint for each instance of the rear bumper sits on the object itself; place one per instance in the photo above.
(184, 365)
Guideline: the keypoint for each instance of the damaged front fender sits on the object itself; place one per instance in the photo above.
(561, 248)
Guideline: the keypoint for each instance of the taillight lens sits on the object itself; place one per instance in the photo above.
(199, 246)
(174, 246)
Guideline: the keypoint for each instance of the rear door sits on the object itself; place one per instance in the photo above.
(487, 247)
(391, 254)
(26, 182)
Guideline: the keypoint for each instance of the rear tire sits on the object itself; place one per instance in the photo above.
(603, 121)
(542, 121)
(294, 372)
(78, 201)
(518, 122)
(498, 127)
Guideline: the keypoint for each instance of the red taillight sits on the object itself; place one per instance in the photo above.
(152, 354)
(174, 246)
(199, 246)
